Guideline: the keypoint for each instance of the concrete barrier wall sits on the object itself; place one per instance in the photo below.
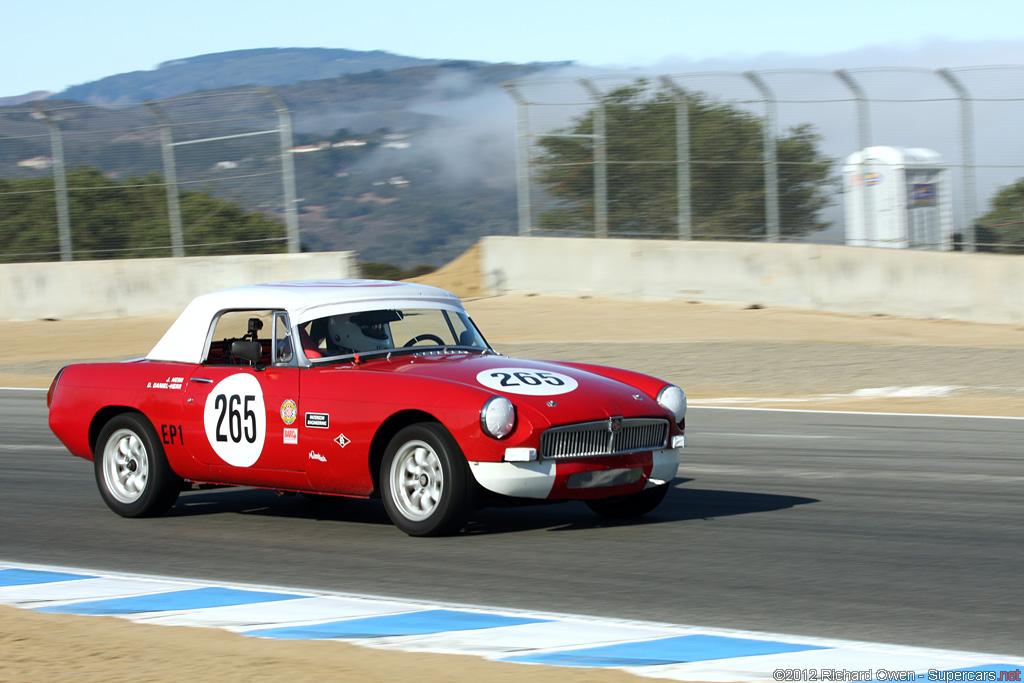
(899, 282)
(149, 287)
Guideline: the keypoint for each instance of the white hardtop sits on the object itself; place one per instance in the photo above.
(303, 300)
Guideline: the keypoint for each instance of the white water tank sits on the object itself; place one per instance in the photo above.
(897, 198)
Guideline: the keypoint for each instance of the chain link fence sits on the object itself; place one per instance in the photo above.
(742, 156)
(760, 156)
(202, 174)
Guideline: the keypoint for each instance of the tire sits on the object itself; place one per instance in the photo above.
(633, 505)
(425, 482)
(131, 469)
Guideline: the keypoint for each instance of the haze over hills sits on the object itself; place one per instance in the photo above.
(436, 171)
(405, 160)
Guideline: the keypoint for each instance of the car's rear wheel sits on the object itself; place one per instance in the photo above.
(632, 505)
(131, 469)
(425, 483)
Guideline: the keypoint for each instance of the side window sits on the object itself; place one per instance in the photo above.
(465, 333)
(283, 350)
(235, 325)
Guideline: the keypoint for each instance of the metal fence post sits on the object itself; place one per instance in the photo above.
(600, 161)
(771, 162)
(864, 140)
(284, 126)
(968, 190)
(171, 180)
(60, 184)
(522, 160)
(684, 208)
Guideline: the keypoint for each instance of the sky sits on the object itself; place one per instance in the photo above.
(50, 46)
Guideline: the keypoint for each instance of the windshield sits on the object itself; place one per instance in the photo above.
(383, 331)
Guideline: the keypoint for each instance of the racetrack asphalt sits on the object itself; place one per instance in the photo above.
(884, 528)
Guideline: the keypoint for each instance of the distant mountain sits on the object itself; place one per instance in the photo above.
(407, 161)
(265, 66)
(22, 99)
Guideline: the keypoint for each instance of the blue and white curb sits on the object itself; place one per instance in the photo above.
(682, 653)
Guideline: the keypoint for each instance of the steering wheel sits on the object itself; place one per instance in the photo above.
(424, 337)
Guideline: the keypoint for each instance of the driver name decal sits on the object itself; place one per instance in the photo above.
(527, 381)
(235, 419)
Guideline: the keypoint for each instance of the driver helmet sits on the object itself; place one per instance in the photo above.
(348, 332)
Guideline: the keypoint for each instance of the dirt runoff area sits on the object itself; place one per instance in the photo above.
(721, 355)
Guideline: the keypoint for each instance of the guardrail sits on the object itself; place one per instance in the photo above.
(972, 287)
(986, 288)
(126, 288)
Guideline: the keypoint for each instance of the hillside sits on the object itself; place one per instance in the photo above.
(428, 170)
(268, 66)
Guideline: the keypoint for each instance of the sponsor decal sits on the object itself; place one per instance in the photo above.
(318, 420)
(342, 440)
(289, 411)
(169, 383)
(923, 193)
(235, 419)
(313, 455)
(865, 178)
(172, 434)
(291, 434)
(527, 381)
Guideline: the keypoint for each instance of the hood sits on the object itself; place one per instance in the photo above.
(562, 394)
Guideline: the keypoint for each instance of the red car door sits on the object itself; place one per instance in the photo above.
(238, 420)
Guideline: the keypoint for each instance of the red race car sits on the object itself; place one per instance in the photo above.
(364, 388)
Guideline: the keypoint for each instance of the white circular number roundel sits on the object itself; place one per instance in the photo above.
(527, 381)
(236, 420)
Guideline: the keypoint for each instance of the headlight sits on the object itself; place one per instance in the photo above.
(498, 417)
(673, 399)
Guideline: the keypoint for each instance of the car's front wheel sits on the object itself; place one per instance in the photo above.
(425, 482)
(131, 469)
(632, 505)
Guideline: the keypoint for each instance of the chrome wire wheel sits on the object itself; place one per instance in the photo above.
(125, 466)
(417, 480)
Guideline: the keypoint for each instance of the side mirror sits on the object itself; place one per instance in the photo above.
(247, 350)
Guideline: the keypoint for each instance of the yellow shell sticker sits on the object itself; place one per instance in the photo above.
(289, 411)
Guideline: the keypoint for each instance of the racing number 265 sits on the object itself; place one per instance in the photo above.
(530, 379)
(236, 419)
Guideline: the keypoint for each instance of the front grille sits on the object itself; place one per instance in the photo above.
(614, 436)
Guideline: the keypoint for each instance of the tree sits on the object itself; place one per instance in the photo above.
(1002, 228)
(124, 219)
(727, 170)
